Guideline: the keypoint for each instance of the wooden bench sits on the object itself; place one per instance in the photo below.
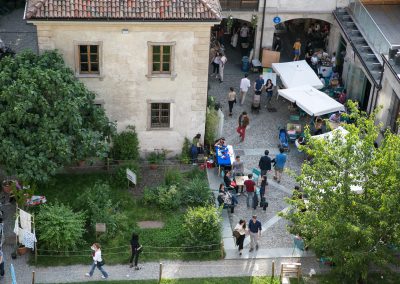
(288, 270)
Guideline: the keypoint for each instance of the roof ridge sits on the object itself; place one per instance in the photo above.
(33, 8)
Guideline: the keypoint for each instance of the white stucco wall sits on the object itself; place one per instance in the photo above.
(123, 86)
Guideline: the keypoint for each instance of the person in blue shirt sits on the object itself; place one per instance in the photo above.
(255, 232)
(258, 85)
(280, 161)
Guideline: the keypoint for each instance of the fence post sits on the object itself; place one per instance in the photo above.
(222, 249)
(273, 269)
(33, 277)
(160, 275)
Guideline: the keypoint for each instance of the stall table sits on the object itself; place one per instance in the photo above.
(224, 156)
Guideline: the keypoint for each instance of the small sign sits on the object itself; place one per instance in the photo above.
(277, 20)
(131, 176)
(100, 227)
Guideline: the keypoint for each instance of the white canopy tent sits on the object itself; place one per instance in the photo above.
(297, 73)
(329, 135)
(311, 100)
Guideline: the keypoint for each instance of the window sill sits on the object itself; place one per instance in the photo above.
(159, 129)
(172, 76)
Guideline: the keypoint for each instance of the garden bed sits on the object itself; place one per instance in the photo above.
(158, 243)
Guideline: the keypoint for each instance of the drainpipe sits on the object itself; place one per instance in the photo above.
(262, 29)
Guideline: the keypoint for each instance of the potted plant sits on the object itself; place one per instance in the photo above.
(6, 184)
(21, 193)
(155, 158)
(21, 250)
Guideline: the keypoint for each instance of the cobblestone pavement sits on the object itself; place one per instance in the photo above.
(16, 33)
(262, 134)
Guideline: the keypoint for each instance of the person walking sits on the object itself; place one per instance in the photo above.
(244, 34)
(231, 99)
(258, 85)
(250, 186)
(269, 88)
(222, 63)
(215, 63)
(265, 164)
(243, 123)
(241, 235)
(97, 261)
(296, 49)
(135, 251)
(280, 161)
(255, 232)
(244, 87)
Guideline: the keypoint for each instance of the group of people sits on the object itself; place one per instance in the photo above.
(98, 260)
(253, 229)
(218, 62)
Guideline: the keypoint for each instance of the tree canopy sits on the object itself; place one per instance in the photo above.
(47, 117)
(352, 187)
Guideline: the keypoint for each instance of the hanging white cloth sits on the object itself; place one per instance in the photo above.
(21, 233)
(26, 220)
(16, 225)
(29, 239)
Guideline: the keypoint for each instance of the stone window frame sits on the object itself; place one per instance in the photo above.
(171, 114)
(172, 75)
(77, 59)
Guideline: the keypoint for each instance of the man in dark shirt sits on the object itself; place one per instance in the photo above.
(250, 189)
(258, 85)
(265, 164)
(255, 232)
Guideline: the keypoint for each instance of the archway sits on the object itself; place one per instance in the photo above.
(312, 33)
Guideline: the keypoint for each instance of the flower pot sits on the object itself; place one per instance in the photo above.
(13, 255)
(7, 188)
(153, 166)
(22, 250)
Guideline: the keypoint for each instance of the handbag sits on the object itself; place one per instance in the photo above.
(100, 263)
(236, 234)
(234, 101)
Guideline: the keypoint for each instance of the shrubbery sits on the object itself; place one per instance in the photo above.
(196, 192)
(203, 226)
(185, 155)
(173, 177)
(211, 126)
(100, 208)
(119, 179)
(59, 228)
(166, 197)
(125, 145)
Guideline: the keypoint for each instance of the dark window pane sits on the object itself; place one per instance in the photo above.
(165, 106)
(94, 58)
(94, 67)
(83, 49)
(156, 49)
(166, 58)
(166, 49)
(94, 48)
(84, 58)
(84, 67)
(156, 67)
(166, 67)
(156, 57)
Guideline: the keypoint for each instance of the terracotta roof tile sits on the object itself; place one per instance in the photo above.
(124, 9)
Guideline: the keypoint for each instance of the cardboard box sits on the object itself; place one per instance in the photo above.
(269, 57)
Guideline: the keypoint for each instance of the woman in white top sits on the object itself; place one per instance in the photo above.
(97, 261)
(241, 229)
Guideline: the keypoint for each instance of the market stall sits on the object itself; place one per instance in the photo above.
(312, 101)
(297, 73)
(224, 156)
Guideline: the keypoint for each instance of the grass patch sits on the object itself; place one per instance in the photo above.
(66, 188)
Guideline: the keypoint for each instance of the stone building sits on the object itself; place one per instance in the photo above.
(147, 60)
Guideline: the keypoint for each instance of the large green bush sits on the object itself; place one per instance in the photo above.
(173, 177)
(101, 208)
(196, 192)
(185, 155)
(59, 228)
(211, 126)
(203, 226)
(166, 197)
(125, 145)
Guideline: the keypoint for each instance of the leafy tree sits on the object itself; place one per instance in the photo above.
(47, 117)
(59, 228)
(353, 193)
(126, 145)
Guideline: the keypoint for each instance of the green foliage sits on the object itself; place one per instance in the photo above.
(173, 177)
(156, 157)
(22, 194)
(203, 226)
(211, 126)
(47, 118)
(59, 228)
(119, 179)
(125, 145)
(165, 197)
(196, 172)
(196, 192)
(354, 229)
(101, 208)
(185, 155)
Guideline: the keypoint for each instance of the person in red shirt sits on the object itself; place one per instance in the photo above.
(250, 189)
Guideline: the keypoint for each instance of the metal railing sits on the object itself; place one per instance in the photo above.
(239, 5)
(373, 34)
